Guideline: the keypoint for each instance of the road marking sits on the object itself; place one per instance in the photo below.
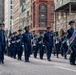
(65, 68)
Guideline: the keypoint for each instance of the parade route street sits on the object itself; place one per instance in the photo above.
(37, 67)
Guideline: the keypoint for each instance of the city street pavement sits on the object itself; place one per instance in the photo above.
(58, 66)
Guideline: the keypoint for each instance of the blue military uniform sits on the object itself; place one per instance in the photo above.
(2, 45)
(73, 46)
(11, 46)
(27, 45)
(41, 46)
(14, 45)
(19, 46)
(35, 46)
(48, 39)
(9, 49)
(72, 37)
(64, 45)
(57, 46)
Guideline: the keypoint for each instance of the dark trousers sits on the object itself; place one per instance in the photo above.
(57, 50)
(65, 49)
(1, 54)
(41, 48)
(14, 52)
(19, 52)
(11, 50)
(27, 52)
(35, 50)
(73, 55)
(49, 51)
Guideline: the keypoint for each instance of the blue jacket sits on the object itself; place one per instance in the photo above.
(59, 42)
(64, 38)
(27, 38)
(48, 39)
(41, 38)
(14, 41)
(2, 38)
(19, 40)
(70, 32)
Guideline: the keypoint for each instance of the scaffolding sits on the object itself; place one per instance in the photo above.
(66, 6)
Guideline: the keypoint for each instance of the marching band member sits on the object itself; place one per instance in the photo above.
(64, 44)
(35, 46)
(72, 41)
(41, 45)
(57, 45)
(14, 44)
(27, 36)
(48, 40)
(19, 44)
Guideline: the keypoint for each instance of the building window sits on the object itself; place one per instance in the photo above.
(43, 8)
(10, 17)
(27, 13)
(52, 15)
(52, 7)
(11, 2)
(10, 7)
(42, 15)
(42, 24)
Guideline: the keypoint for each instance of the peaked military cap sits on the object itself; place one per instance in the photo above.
(71, 22)
(14, 32)
(19, 30)
(48, 27)
(26, 27)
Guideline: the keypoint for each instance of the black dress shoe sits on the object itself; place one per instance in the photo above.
(26, 61)
(49, 59)
(41, 58)
(72, 63)
(2, 62)
(57, 57)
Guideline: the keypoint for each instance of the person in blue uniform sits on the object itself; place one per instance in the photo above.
(35, 45)
(48, 39)
(2, 43)
(19, 44)
(72, 33)
(14, 44)
(27, 43)
(57, 45)
(11, 45)
(41, 45)
(64, 44)
(9, 49)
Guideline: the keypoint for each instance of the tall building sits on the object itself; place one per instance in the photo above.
(2, 11)
(64, 12)
(25, 13)
(9, 15)
(42, 15)
(16, 14)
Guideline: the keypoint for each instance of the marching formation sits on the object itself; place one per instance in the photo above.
(48, 42)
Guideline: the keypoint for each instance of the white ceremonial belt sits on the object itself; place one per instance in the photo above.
(18, 41)
(13, 41)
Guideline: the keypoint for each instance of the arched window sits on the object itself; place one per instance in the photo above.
(42, 15)
(43, 8)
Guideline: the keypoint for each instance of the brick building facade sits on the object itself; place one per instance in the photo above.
(42, 15)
